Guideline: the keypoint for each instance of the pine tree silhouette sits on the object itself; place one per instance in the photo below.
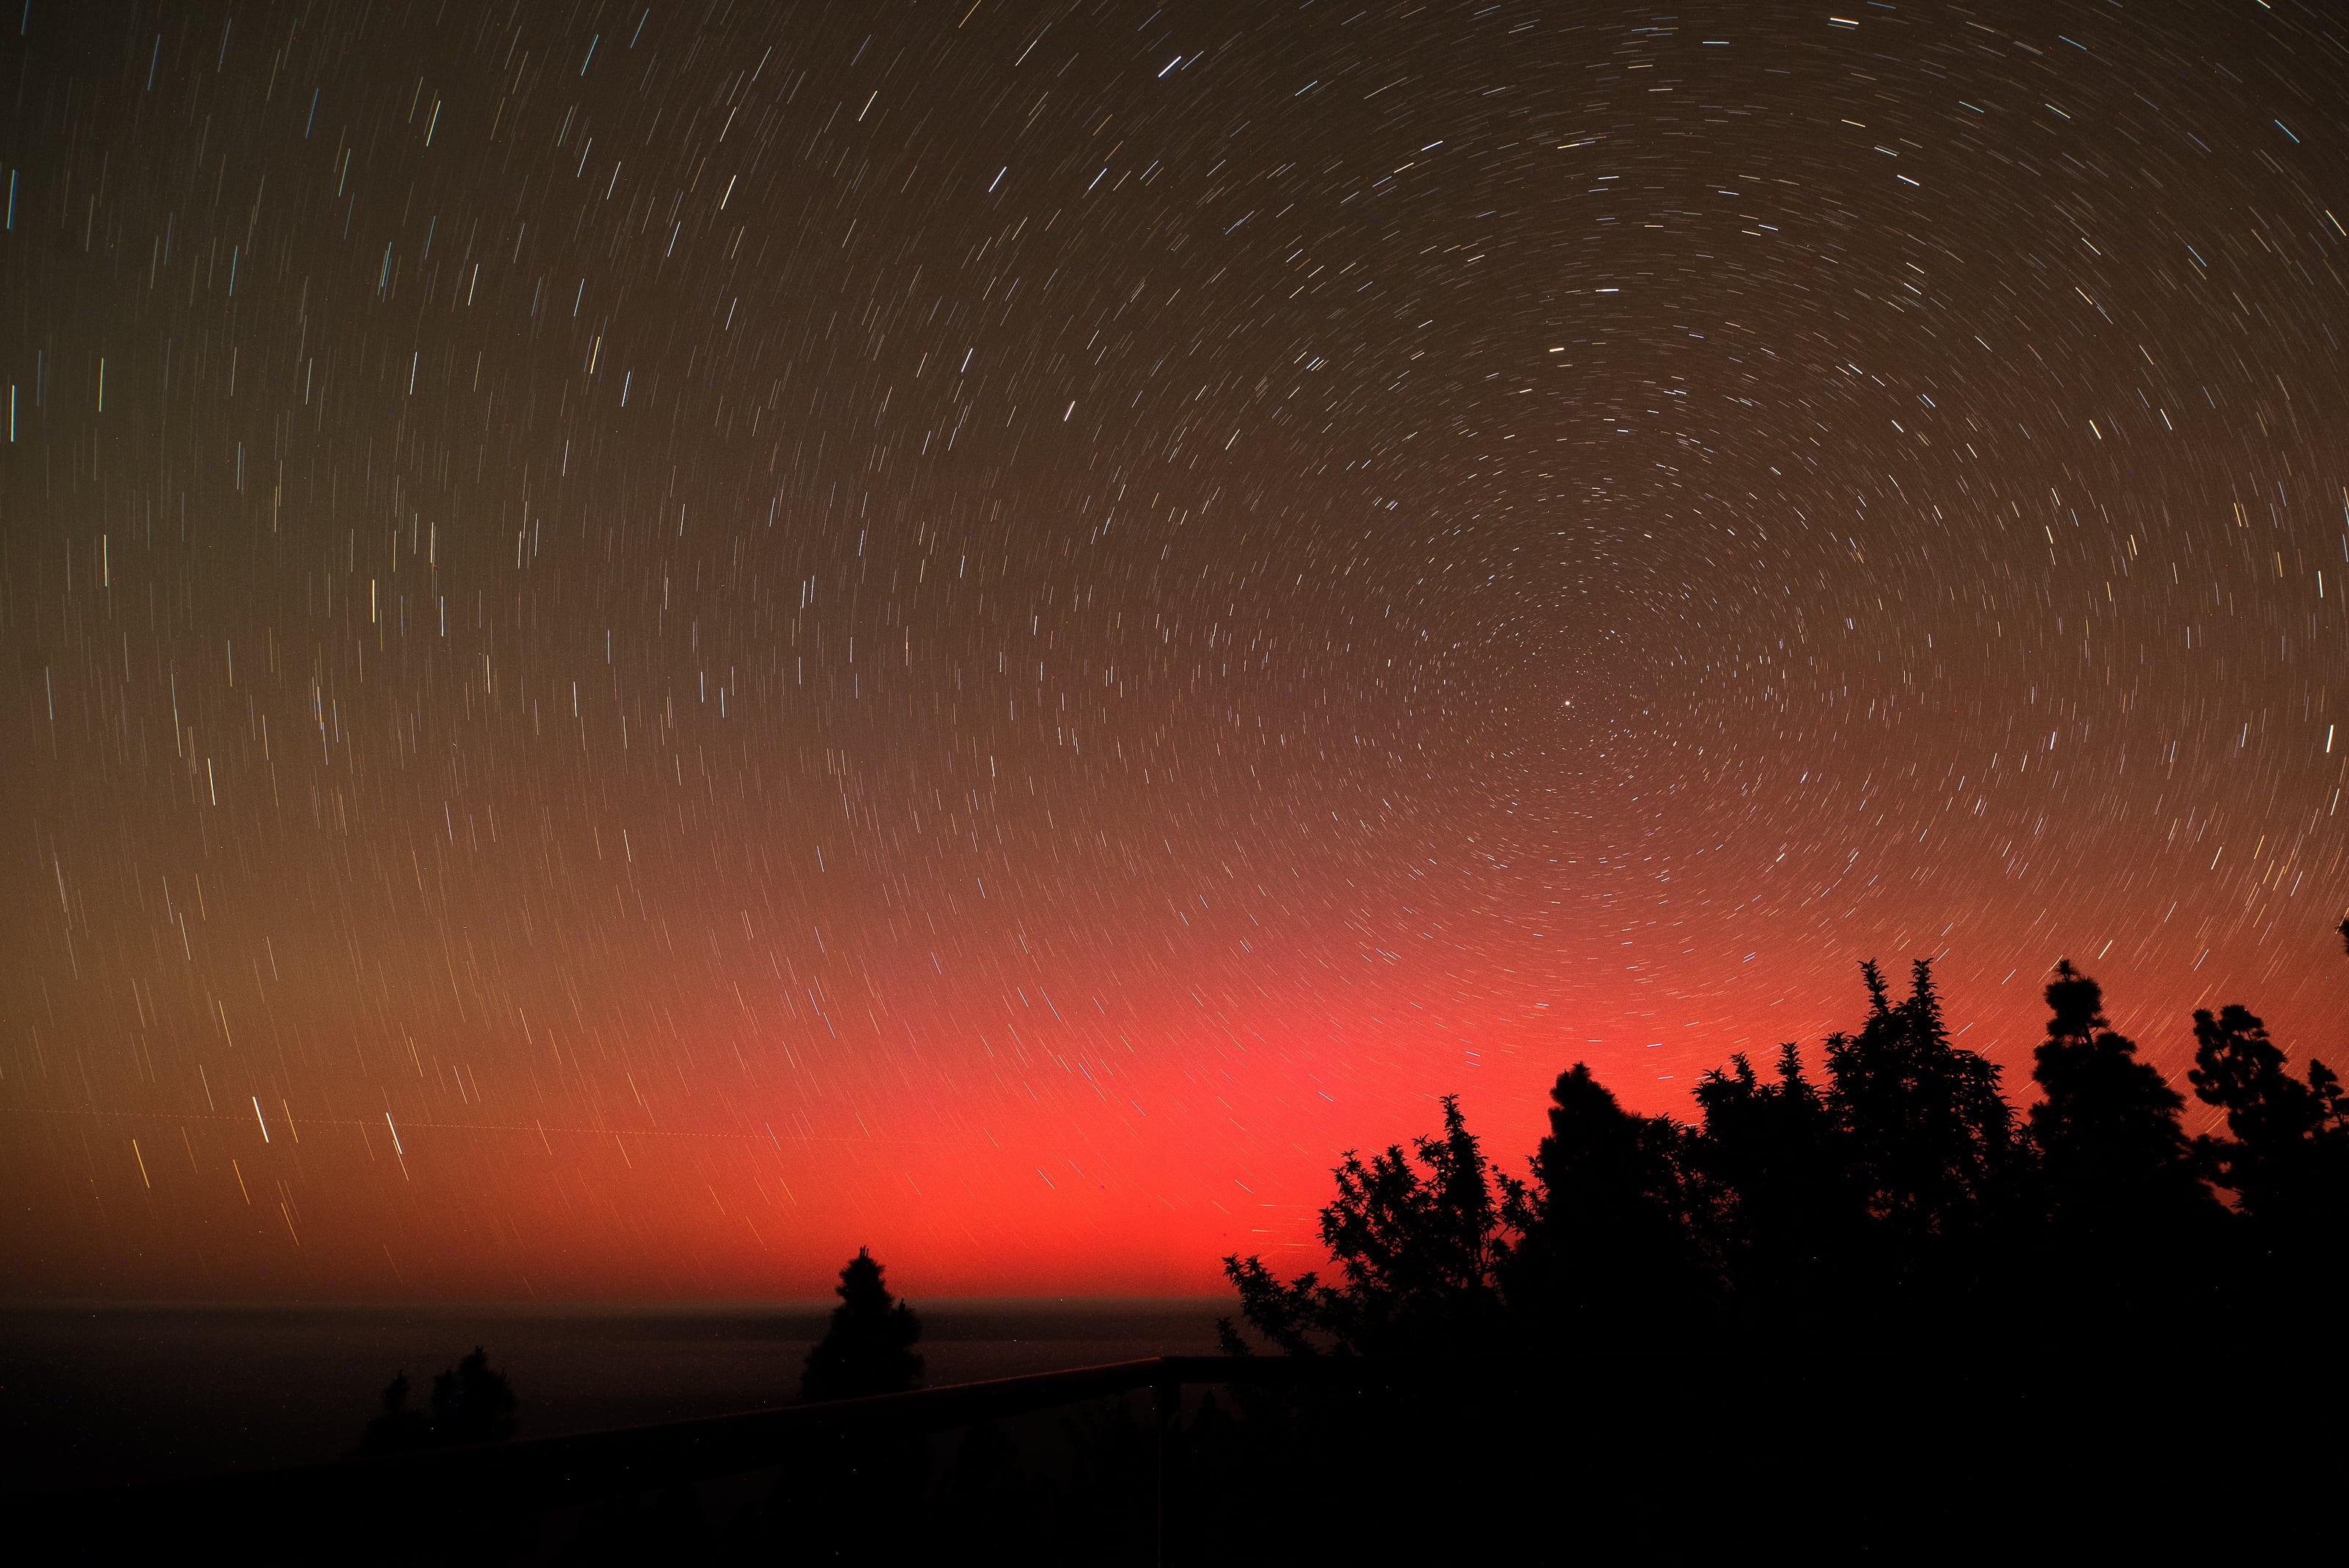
(869, 1348)
(398, 1428)
(469, 1403)
(1789, 1215)
(1931, 1143)
(852, 1499)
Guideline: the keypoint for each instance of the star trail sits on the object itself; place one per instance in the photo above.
(651, 644)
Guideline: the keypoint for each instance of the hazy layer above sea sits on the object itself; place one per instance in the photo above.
(92, 1394)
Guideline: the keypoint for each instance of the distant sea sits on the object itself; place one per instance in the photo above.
(100, 1394)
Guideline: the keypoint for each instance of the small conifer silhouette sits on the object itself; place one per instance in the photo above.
(869, 1348)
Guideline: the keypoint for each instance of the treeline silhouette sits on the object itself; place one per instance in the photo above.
(1876, 1313)
(1869, 1311)
(1896, 1199)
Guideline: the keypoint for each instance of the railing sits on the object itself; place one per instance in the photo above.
(547, 1473)
(1616, 1451)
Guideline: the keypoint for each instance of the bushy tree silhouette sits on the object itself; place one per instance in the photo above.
(2130, 1220)
(2287, 1162)
(2289, 1134)
(1418, 1253)
(1932, 1140)
(1788, 1213)
(869, 1348)
(1609, 1250)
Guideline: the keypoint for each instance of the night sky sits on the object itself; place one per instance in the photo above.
(643, 646)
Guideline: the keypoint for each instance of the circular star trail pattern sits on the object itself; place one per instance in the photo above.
(651, 644)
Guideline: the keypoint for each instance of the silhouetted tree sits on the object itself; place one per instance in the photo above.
(1418, 1253)
(1789, 1213)
(1932, 1145)
(2130, 1219)
(869, 1348)
(473, 1404)
(1611, 1246)
(852, 1498)
(2288, 1160)
(469, 1403)
(399, 1428)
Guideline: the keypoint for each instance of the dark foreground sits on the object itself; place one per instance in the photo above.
(1694, 1461)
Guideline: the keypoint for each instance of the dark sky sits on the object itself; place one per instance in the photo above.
(648, 645)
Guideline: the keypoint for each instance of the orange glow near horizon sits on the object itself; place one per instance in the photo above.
(1123, 1180)
(1003, 676)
